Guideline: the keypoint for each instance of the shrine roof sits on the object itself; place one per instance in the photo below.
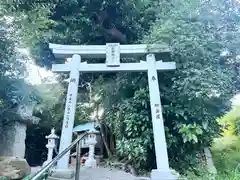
(84, 127)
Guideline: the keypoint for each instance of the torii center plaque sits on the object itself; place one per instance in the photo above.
(113, 55)
(112, 52)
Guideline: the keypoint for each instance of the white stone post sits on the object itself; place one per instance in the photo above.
(91, 141)
(69, 113)
(163, 170)
(50, 146)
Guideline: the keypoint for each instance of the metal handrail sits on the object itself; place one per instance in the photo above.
(59, 156)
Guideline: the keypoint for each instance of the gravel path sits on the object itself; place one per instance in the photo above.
(101, 173)
(104, 174)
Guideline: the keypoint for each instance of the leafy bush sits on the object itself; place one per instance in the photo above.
(231, 122)
(202, 173)
(226, 154)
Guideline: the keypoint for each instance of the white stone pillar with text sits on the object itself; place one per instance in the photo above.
(69, 113)
(163, 170)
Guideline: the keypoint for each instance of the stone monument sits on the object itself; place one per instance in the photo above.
(13, 141)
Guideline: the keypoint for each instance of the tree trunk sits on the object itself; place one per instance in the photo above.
(104, 140)
(112, 144)
(101, 129)
(103, 136)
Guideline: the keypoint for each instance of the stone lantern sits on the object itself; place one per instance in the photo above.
(91, 141)
(51, 145)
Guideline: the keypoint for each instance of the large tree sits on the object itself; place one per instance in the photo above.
(199, 34)
(14, 90)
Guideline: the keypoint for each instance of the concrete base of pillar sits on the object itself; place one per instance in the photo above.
(60, 174)
(53, 178)
(158, 174)
(45, 163)
(91, 163)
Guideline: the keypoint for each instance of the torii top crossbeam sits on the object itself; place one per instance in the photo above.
(99, 51)
(113, 52)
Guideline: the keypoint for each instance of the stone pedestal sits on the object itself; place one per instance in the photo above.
(62, 174)
(164, 174)
(19, 146)
(91, 163)
(13, 141)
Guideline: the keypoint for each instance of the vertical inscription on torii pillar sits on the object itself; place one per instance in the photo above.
(70, 108)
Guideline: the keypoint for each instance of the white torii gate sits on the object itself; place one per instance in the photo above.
(112, 52)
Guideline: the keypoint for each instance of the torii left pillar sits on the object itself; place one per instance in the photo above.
(62, 170)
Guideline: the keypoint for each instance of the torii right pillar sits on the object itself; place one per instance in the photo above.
(163, 171)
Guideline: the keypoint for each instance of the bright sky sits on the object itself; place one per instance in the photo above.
(36, 74)
(236, 100)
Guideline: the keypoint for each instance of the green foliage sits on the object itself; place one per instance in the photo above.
(226, 159)
(50, 107)
(203, 82)
(132, 123)
(46, 21)
(226, 155)
(205, 175)
(190, 132)
(13, 90)
(3, 178)
(193, 96)
(231, 121)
